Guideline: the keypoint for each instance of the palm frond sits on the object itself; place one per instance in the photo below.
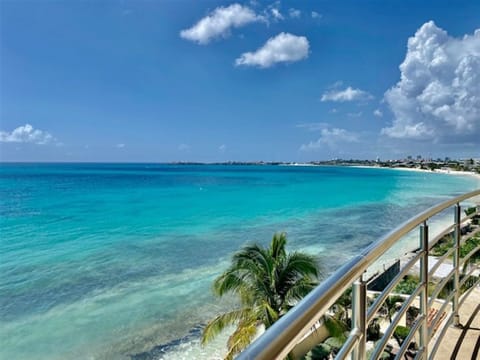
(219, 323)
(241, 337)
(269, 314)
(335, 327)
(296, 277)
(277, 246)
(298, 291)
(254, 258)
(229, 281)
(304, 264)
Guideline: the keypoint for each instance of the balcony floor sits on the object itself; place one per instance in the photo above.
(464, 343)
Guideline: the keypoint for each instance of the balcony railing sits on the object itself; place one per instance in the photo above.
(427, 329)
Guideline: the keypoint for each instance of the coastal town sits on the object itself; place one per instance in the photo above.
(418, 162)
(446, 165)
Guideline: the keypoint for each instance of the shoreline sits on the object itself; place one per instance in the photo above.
(436, 171)
(413, 169)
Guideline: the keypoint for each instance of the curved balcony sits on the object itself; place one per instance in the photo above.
(440, 306)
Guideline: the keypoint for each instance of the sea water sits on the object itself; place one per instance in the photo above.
(116, 261)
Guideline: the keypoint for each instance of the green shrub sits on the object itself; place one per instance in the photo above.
(448, 288)
(401, 333)
(407, 285)
(472, 280)
(470, 211)
(443, 245)
(468, 246)
(335, 343)
(446, 244)
(320, 352)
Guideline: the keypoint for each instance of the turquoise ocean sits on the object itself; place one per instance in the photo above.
(115, 261)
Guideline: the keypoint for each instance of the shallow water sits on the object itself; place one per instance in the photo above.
(111, 261)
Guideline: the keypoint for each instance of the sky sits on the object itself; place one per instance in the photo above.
(208, 81)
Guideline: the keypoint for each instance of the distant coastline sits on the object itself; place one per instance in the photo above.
(469, 167)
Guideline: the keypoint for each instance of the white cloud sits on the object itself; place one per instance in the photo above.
(412, 131)
(222, 148)
(378, 113)
(294, 13)
(184, 147)
(26, 134)
(284, 47)
(316, 15)
(277, 15)
(438, 95)
(330, 138)
(219, 22)
(349, 94)
(120, 146)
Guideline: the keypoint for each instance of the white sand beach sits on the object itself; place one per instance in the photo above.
(436, 171)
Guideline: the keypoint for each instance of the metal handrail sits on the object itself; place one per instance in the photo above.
(391, 328)
(441, 285)
(465, 295)
(442, 309)
(437, 238)
(281, 337)
(410, 336)
(439, 262)
(381, 299)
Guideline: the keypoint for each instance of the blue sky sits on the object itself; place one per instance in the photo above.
(159, 81)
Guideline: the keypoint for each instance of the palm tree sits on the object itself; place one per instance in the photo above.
(268, 281)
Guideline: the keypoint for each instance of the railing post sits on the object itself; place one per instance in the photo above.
(456, 265)
(359, 316)
(424, 293)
